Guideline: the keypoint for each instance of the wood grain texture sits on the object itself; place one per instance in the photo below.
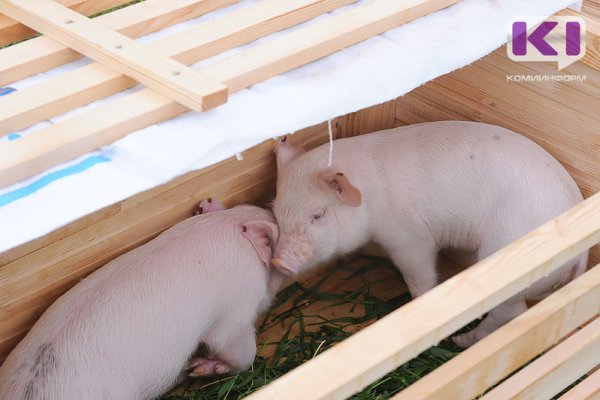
(558, 368)
(42, 53)
(95, 81)
(374, 351)
(513, 345)
(12, 31)
(161, 74)
(88, 131)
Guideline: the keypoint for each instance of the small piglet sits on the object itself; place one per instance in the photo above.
(129, 330)
(418, 189)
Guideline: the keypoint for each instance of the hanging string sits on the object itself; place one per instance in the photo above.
(330, 143)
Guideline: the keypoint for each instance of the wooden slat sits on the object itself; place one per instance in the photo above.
(556, 369)
(13, 31)
(166, 76)
(588, 389)
(35, 153)
(42, 53)
(378, 349)
(487, 362)
(91, 82)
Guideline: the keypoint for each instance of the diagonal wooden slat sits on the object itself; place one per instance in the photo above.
(403, 334)
(558, 368)
(119, 52)
(91, 82)
(492, 359)
(42, 53)
(61, 142)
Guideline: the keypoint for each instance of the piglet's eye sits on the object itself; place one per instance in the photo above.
(318, 216)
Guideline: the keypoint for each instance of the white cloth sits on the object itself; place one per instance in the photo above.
(374, 71)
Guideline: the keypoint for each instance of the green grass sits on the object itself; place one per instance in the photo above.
(306, 335)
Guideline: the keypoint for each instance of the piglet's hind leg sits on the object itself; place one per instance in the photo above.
(207, 367)
(237, 355)
(209, 205)
(241, 349)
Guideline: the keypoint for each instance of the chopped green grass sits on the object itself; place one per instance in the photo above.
(307, 326)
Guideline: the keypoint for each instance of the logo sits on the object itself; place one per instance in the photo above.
(560, 39)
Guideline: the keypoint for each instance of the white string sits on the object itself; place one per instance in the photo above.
(330, 143)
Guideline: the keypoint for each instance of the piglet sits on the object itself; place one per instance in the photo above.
(418, 189)
(129, 330)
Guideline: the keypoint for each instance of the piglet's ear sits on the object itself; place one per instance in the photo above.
(264, 236)
(286, 152)
(345, 191)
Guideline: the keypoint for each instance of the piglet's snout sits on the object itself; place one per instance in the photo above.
(289, 258)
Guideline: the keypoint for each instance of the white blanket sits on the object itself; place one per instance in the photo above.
(377, 70)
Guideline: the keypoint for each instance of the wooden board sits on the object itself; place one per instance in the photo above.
(95, 81)
(161, 74)
(13, 31)
(42, 53)
(510, 347)
(388, 343)
(556, 369)
(88, 131)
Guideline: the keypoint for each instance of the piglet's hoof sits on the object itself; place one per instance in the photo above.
(207, 367)
(465, 340)
(209, 205)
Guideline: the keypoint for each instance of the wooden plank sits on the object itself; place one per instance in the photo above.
(588, 389)
(83, 133)
(42, 53)
(13, 31)
(495, 357)
(378, 349)
(556, 369)
(166, 76)
(91, 82)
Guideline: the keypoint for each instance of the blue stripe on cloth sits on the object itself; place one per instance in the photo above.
(51, 177)
(13, 136)
(6, 90)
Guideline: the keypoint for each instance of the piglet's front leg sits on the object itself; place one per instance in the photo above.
(209, 205)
